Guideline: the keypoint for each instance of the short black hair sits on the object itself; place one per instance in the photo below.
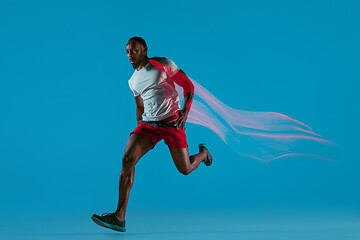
(139, 40)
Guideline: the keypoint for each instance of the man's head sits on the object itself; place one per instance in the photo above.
(136, 51)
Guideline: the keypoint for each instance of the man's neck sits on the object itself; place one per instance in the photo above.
(143, 64)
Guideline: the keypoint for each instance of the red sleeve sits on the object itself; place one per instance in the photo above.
(183, 81)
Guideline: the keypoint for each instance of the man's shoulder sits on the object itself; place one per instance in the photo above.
(132, 76)
(165, 61)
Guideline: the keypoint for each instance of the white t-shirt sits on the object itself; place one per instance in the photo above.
(157, 90)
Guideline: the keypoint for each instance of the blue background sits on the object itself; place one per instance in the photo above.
(66, 109)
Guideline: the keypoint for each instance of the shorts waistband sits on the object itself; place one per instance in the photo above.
(160, 123)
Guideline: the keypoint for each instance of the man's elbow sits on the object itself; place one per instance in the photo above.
(186, 83)
(140, 109)
(191, 87)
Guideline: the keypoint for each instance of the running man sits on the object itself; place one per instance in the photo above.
(159, 117)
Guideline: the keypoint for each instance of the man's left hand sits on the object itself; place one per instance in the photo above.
(180, 122)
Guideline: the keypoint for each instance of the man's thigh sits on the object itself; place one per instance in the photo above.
(137, 146)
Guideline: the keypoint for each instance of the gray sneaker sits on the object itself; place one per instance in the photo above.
(109, 220)
(208, 160)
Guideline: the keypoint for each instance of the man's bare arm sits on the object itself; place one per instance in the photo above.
(139, 108)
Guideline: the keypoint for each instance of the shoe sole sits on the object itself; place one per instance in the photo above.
(108, 225)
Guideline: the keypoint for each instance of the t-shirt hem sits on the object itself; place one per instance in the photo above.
(160, 118)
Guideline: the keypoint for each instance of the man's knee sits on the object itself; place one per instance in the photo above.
(128, 162)
(185, 171)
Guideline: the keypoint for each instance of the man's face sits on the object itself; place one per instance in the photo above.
(136, 52)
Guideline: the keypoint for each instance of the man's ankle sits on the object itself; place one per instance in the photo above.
(119, 217)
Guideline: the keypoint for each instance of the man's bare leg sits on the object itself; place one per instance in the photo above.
(185, 163)
(135, 148)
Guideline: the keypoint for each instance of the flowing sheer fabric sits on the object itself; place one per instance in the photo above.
(264, 136)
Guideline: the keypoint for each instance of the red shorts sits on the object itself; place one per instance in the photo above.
(173, 137)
